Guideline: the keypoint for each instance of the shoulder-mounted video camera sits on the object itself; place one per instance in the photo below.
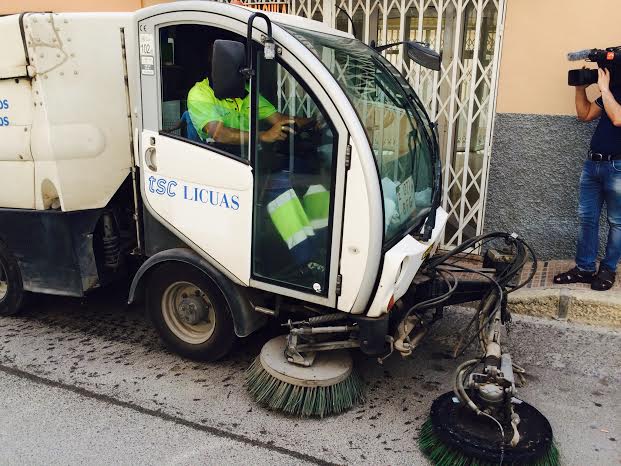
(609, 59)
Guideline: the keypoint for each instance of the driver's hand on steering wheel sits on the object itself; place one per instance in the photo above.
(279, 132)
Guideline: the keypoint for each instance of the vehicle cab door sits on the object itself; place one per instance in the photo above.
(299, 182)
(200, 191)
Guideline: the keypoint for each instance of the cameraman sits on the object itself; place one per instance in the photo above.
(600, 182)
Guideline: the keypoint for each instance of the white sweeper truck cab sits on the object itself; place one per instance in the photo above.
(237, 166)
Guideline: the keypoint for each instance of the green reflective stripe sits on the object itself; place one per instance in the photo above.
(298, 237)
(289, 218)
(317, 206)
(319, 224)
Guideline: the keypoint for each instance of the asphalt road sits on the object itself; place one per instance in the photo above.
(48, 424)
(90, 383)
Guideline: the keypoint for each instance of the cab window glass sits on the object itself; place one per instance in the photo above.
(189, 108)
(294, 185)
(401, 142)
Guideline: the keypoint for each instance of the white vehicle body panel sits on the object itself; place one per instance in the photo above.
(401, 264)
(13, 57)
(16, 191)
(206, 197)
(79, 140)
(17, 170)
(356, 236)
(16, 164)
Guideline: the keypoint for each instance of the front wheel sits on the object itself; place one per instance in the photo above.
(11, 288)
(189, 312)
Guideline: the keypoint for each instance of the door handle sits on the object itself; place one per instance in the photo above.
(150, 160)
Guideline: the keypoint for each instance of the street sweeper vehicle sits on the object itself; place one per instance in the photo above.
(238, 167)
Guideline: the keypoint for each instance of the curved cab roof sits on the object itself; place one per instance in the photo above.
(239, 12)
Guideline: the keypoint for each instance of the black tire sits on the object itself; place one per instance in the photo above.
(11, 287)
(170, 326)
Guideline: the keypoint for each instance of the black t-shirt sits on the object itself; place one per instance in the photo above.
(607, 137)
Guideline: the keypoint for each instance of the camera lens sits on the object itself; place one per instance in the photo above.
(581, 77)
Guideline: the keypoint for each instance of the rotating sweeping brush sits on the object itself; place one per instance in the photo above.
(329, 386)
(455, 436)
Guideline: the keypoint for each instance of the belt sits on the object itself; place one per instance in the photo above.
(597, 157)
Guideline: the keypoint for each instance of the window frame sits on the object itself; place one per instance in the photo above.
(257, 49)
(160, 79)
(204, 145)
(322, 97)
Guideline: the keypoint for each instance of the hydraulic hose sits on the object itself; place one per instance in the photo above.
(458, 385)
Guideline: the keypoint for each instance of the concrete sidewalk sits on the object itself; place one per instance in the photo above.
(575, 302)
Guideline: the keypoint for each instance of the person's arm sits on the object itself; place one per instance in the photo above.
(587, 111)
(225, 135)
(267, 112)
(611, 106)
(276, 118)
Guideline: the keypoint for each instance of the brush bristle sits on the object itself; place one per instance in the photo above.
(275, 394)
(441, 455)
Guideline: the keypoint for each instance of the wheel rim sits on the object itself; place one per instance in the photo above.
(188, 312)
(4, 283)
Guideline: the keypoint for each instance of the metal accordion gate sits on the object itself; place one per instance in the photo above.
(461, 97)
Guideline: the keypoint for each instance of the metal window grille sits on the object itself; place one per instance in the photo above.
(460, 97)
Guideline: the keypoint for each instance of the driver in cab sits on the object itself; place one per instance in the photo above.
(226, 121)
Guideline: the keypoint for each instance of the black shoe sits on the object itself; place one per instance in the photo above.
(604, 280)
(574, 275)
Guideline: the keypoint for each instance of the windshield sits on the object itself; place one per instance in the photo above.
(397, 129)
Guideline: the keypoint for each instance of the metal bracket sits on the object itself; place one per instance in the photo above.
(293, 354)
(391, 342)
(302, 346)
(348, 157)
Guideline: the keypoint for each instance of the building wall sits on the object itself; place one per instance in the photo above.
(539, 145)
(19, 6)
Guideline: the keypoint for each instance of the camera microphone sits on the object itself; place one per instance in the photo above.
(579, 55)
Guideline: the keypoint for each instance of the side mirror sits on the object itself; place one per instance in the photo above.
(424, 55)
(227, 80)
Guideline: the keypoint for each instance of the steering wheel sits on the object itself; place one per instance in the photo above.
(302, 137)
(303, 143)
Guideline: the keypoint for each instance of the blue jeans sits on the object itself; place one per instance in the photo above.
(600, 182)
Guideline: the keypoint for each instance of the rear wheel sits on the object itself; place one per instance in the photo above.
(11, 288)
(189, 312)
